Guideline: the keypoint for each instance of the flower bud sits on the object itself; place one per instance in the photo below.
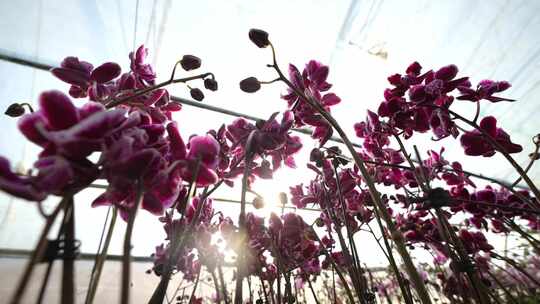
(158, 269)
(259, 37)
(447, 73)
(258, 202)
(414, 68)
(334, 150)
(15, 110)
(250, 85)
(210, 84)
(370, 297)
(190, 62)
(438, 197)
(283, 198)
(196, 94)
(317, 157)
(343, 161)
(319, 222)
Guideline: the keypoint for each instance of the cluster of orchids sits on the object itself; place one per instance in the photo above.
(405, 198)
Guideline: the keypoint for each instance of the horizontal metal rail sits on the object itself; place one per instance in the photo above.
(24, 254)
(230, 201)
(20, 60)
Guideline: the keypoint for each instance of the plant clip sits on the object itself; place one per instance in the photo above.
(61, 249)
(435, 198)
(463, 267)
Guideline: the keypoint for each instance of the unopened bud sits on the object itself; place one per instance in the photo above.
(259, 37)
(317, 157)
(196, 94)
(258, 202)
(15, 110)
(190, 62)
(250, 85)
(447, 73)
(334, 150)
(438, 197)
(210, 84)
(283, 198)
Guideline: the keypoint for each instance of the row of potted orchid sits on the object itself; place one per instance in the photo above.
(407, 198)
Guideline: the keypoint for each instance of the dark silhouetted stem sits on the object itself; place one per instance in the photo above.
(29, 106)
(536, 141)
(45, 282)
(100, 260)
(223, 284)
(338, 269)
(36, 254)
(126, 259)
(503, 151)
(509, 296)
(192, 296)
(517, 267)
(313, 291)
(242, 222)
(216, 285)
(528, 237)
(354, 270)
(68, 270)
(161, 289)
(50, 265)
(116, 102)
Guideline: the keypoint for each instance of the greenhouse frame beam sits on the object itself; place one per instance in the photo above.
(21, 60)
(24, 254)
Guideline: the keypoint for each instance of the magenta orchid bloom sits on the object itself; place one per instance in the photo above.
(270, 139)
(68, 135)
(85, 80)
(18, 186)
(485, 90)
(312, 82)
(475, 143)
(200, 157)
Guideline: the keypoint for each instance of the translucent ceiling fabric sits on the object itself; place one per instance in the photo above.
(362, 41)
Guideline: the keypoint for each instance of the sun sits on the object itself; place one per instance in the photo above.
(270, 191)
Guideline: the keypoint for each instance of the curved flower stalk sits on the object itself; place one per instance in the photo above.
(425, 109)
(380, 210)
